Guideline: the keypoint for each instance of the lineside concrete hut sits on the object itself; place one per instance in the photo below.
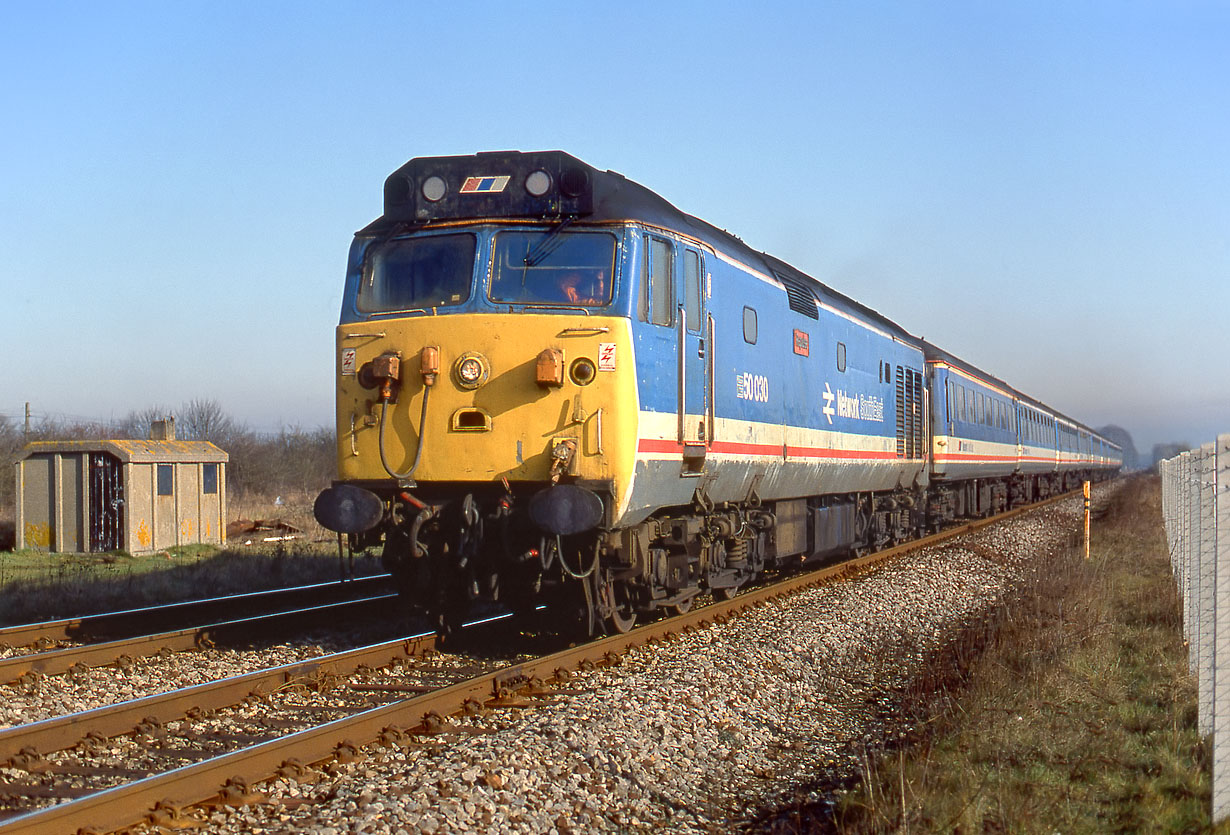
(135, 496)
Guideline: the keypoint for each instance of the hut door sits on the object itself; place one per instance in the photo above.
(106, 503)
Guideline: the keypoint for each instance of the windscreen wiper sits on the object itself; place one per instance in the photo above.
(547, 245)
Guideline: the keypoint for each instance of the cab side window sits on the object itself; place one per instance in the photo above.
(691, 289)
(658, 294)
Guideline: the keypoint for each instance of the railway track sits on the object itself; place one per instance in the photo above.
(67, 659)
(164, 797)
(110, 625)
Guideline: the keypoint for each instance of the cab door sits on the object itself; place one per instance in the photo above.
(694, 354)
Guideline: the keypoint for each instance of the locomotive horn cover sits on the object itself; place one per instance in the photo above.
(345, 508)
(566, 509)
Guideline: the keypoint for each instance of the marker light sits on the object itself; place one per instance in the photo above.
(433, 188)
(471, 370)
(538, 183)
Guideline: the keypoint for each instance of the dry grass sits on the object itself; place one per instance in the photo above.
(292, 507)
(1069, 711)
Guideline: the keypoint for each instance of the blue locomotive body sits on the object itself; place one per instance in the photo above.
(642, 406)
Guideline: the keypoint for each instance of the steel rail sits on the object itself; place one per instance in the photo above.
(61, 660)
(61, 732)
(109, 623)
(130, 804)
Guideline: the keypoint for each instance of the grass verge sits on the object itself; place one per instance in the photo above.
(1070, 709)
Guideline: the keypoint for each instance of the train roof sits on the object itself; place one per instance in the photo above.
(498, 184)
(554, 186)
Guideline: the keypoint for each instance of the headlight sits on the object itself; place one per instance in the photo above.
(433, 188)
(583, 371)
(538, 183)
(471, 370)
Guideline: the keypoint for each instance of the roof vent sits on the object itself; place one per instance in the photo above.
(802, 299)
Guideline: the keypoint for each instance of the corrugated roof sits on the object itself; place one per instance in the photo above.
(136, 451)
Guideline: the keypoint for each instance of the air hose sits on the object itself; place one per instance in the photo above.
(578, 575)
(418, 452)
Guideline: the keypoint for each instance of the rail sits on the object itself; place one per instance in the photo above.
(115, 624)
(55, 661)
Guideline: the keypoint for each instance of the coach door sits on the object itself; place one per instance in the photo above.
(695, 433)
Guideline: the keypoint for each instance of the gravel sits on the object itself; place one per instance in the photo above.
(694, 735)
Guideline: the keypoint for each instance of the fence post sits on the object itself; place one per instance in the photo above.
(1180, 539)
(1190, 627)
(1221, 696)
(1208, 581)
(1167, 504)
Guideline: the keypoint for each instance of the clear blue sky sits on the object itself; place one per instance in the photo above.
(1042, 188)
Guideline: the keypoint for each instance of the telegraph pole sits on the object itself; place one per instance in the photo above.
(27, 421)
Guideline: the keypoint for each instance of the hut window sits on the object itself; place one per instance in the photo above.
(166, 480)
(209, 478)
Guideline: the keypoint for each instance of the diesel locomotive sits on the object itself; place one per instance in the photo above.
(554, 386)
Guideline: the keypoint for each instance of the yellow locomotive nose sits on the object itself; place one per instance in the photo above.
(525, 405)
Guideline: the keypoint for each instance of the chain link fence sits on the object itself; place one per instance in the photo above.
(1196, 512)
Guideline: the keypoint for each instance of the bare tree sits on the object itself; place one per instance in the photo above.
(204, 420)
(136, 424)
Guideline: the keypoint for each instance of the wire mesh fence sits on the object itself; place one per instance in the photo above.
(1196, 513)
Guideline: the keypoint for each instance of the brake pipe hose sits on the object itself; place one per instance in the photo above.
(418, 452)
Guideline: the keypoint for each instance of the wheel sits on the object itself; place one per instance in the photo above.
(681, 608)
(725, 593)
(618, 614)
(620, 621)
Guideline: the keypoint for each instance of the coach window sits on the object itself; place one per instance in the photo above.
(658, 296)
(691, 289)
(749, 326)
(841, 357)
